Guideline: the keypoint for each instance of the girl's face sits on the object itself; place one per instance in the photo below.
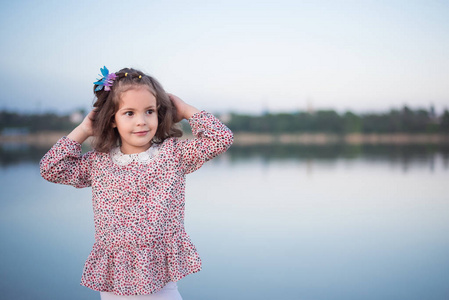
(136, 119)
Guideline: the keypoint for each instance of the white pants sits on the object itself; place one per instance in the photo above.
(168, 292)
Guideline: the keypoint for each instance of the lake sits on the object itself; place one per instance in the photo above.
(294, 222)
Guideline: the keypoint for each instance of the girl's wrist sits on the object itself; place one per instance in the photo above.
(78, 135)
(190, 111)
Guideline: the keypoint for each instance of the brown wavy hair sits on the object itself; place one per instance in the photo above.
(107, 103)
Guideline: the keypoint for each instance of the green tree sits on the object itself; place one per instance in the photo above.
(351, 122)
(444, 122)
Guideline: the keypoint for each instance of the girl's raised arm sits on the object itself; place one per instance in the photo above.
(183, 110)
(83, 130)
(64, 163)
(212, 137)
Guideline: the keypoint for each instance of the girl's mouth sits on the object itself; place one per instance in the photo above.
(140, 133)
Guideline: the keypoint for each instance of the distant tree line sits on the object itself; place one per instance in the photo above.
(405, 120)
(34, 122)
(329, 121)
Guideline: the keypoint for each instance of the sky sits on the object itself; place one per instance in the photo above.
(230, 56)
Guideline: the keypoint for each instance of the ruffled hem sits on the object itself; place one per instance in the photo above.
(139, 271)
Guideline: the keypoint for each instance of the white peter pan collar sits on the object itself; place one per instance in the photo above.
(145, 157)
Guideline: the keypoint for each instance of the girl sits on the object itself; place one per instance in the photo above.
(137, 173)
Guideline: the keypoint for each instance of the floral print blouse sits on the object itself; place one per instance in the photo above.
(138, 204)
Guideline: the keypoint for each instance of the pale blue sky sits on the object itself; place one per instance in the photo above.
(243, 56)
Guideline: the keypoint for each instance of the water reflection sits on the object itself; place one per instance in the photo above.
(404, 155)
(279, 222)
(15, 153)
(389, 152)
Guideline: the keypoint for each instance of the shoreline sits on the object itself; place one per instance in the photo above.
(47, 139)
(328, 139)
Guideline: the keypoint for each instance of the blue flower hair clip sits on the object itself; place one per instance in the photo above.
(107, 81)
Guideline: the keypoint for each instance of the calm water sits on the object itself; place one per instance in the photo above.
(309, 223)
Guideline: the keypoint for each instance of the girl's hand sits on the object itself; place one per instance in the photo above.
(83, 130)
(87, 123)
(183, 110)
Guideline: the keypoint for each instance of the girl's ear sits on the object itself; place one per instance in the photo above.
(113, 124)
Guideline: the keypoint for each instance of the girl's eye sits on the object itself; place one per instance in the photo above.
(150, 111)
(129, 113)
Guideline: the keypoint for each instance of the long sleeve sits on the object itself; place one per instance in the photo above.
(212, 138)
(64, 164)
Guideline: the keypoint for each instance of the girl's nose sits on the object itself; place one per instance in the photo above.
(141, 120)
